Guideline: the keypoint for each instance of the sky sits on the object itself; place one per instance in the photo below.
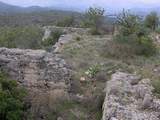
(86, 3)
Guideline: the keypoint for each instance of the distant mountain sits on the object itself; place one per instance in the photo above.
(10, 9)
(7, 8)
(11, 15)
(36, 8)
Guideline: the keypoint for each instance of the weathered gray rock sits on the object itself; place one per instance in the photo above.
(47, 33)
(147, 101)
(45, 75)
(128, 100)
(59, 118)
(65, 38)
(35, 68)
(58, 47)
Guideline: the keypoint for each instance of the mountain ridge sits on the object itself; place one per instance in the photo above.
(8, 8)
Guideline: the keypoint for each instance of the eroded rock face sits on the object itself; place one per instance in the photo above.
(68, 33)
(130, 98)
(64, 39)
(35, 68)
(45, 75)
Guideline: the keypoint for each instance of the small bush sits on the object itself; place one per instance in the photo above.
(94, 18)
(152, 21)
(78, 38)
(136, 45)
(156, 85)
(11, 99)
(158, 30)
(52, 39)
(66, 22)
(93, 70)
(134, 34)
(117, 50)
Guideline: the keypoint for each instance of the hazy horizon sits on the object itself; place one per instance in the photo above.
(83, 4)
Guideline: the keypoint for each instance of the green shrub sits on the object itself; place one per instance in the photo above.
(135, 34)
(94, 18)
(158, 30)
(66, 22)
(93, 70)
(152, 20)
(145, 46)
(11, 99)
(78, 38)
(21, 37)
(138, 45)
(156, 85)
(52, 39)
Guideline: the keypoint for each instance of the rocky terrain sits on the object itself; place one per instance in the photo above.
(45, 75)
(35, 68)
(128, 97)
(49, 76)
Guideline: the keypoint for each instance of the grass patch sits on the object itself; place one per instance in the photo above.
(156, 85)
(101, 50)
(68, 110)
(12, 105)
(54, 37)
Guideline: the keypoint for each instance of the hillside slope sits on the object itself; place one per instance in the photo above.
(80, 80)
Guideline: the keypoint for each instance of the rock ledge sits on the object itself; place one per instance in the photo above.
(130, 98)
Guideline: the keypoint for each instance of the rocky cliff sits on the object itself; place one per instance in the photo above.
(128, 97)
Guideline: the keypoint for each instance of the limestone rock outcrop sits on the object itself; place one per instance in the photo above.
(67, 35)
(35, 68)
(64, 39)
(130, 98)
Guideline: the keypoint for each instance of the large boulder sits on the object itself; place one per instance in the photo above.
(130, 98)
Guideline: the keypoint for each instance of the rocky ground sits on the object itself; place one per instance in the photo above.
(128, 97)
(45, 75)
(79, 80)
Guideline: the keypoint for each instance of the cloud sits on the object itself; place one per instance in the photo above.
(83, 3)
